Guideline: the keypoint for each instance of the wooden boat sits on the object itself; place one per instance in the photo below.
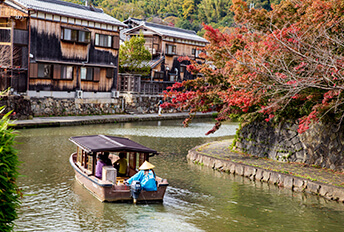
(112, 188)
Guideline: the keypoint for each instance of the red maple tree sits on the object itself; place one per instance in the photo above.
(286, 64)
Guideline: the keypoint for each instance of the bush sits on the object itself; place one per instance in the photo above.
(9, 191)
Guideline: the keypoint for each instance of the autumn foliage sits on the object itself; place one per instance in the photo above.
(285, 64)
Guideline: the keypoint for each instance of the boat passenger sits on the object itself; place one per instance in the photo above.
(106, 158)
(99, 166)
(146, 176)
(121, 165)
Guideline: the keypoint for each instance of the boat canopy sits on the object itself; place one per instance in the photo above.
(101, 143)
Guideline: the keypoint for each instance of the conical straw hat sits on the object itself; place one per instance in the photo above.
(146, 165)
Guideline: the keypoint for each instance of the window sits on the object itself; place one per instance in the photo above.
(45, 71)
(86, 73)
(170, 49)
(5, 35)
(159, 75)
(67, 72)
(103, 40)
(196, 52)
(182, 69)
(66, 34)
(74, 35)
(84, 37)
(90, 163)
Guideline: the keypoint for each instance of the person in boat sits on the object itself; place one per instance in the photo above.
(146, 176)
(106, 158)
(102, 160)
(121, 165)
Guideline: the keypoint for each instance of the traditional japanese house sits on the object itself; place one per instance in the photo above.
(166, 45)
(59, 49)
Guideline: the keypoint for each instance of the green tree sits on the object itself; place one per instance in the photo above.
(188, 8)
(133, 56)
(214, 12)
(9, 191)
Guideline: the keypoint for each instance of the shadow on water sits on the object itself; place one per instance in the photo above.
(198, 198)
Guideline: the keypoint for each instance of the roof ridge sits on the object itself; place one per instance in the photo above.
(63, 3)
(169, 27)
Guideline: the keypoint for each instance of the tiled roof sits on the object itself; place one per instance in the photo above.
(156, 62)
(69, 9)
(175, 32)
(168, 31)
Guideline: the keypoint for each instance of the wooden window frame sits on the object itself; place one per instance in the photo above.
(76, 38)
(97, 40)
(182, 69)
(89, 71)
(5, 35)
(63, 72)
(49, 75)
(173, 51)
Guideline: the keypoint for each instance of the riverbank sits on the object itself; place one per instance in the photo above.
(98, 119)
(294, 176)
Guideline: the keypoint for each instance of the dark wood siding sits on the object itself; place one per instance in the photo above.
(20, 37)
(96, 74)
(33, 70)
(57, 71)
(115, 42)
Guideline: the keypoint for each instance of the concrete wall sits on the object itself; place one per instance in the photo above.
(321, 145)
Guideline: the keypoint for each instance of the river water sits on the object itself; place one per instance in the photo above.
(198, 198)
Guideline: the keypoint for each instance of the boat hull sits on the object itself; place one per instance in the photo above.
(106, 191)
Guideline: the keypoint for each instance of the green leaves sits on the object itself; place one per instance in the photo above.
(9, 192)
(133, 56)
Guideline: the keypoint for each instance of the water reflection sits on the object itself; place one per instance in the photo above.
(198, 198)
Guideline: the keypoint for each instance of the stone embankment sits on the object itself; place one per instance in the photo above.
(98, 119)
(321, 145)
(295, 176)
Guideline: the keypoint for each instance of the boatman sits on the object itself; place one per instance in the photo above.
(146, 176)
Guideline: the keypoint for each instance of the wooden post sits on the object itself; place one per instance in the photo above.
(12, 47)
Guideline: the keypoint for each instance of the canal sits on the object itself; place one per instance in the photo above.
(198, 198)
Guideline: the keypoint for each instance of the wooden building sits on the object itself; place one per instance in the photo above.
(58, 49)
(166, 45)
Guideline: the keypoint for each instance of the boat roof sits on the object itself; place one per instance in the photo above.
(101, 143)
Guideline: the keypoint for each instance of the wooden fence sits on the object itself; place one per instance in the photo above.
(135, 84)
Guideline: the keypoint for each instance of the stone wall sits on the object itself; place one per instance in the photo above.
(259, 174)
(143, 104)
(20, 105)
(321, 145)
(28, 107)
(73, 106)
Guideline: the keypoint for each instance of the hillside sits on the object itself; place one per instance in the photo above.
(187, 14)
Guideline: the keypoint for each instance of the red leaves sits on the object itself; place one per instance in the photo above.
(288, 61)
(271, 116)
(306, 121)
(214, 129)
